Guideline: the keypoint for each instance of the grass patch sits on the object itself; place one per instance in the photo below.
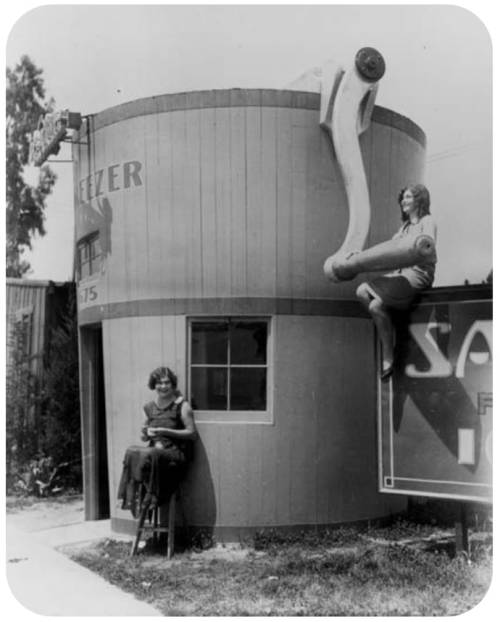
(340, 572)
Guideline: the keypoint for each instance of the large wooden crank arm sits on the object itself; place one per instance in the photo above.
(345, 112)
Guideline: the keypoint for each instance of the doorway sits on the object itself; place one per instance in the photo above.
(93, 405)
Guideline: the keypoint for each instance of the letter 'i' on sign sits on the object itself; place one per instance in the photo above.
(465, 446)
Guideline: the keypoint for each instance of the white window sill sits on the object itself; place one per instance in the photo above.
(234, 416)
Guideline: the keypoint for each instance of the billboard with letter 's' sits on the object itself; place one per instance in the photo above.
(435, 413)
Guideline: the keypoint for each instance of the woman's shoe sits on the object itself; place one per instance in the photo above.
(387, 372)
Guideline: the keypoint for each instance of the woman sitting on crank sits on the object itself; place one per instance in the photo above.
(399, 288)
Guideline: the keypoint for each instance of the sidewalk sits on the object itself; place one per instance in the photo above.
(47, 582)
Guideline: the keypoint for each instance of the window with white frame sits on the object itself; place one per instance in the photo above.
(229, 364)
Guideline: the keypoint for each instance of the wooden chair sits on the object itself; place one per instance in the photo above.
(152, 526)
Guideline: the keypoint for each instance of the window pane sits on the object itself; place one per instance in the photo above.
(209, 388)
(83, 250)
(209, 343)
(83, 259)
(95, 248)
(248, 343)
(248, 389)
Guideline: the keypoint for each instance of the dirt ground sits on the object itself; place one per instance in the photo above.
(34, 515)
(37, 515)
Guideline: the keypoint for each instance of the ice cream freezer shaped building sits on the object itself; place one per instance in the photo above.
(202, 223)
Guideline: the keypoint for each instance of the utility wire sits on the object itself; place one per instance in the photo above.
(453, 151)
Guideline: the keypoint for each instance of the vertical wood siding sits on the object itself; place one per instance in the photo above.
(235, 202)
(238, 202)
(315, 465)
(132, 348)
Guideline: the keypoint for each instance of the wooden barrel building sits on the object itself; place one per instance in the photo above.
(202, 223)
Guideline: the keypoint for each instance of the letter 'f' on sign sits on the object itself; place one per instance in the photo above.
(440, 367)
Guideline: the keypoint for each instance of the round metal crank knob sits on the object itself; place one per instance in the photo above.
(370, 64)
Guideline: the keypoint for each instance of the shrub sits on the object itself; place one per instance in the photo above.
(43, 414)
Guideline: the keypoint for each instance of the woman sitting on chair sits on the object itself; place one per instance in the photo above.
(151, 474)
(168, 421)
(398, 289)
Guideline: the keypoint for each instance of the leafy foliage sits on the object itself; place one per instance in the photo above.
(23, 398)
(43, 414)
(25, 203)
(61, 437)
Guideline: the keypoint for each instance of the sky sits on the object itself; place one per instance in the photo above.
(438, 73)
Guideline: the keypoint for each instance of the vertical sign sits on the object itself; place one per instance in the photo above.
(50, 132)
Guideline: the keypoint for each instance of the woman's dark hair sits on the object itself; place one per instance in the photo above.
(161, 372)
(422, 200)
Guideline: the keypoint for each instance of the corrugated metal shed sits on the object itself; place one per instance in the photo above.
(33, 307)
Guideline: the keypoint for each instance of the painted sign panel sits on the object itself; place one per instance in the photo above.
(435, 413)
(51, 130)
(97, 195)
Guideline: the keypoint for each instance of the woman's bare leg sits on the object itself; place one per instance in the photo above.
(364, 295)
(382, 321)
(385, 331)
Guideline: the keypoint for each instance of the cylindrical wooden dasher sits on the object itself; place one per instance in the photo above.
(397, 253)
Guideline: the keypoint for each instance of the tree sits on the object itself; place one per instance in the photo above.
(25, 204)
(23, 397)
(43, 439)
(60, 428)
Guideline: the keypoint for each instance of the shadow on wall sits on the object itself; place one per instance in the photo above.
(198, 499)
